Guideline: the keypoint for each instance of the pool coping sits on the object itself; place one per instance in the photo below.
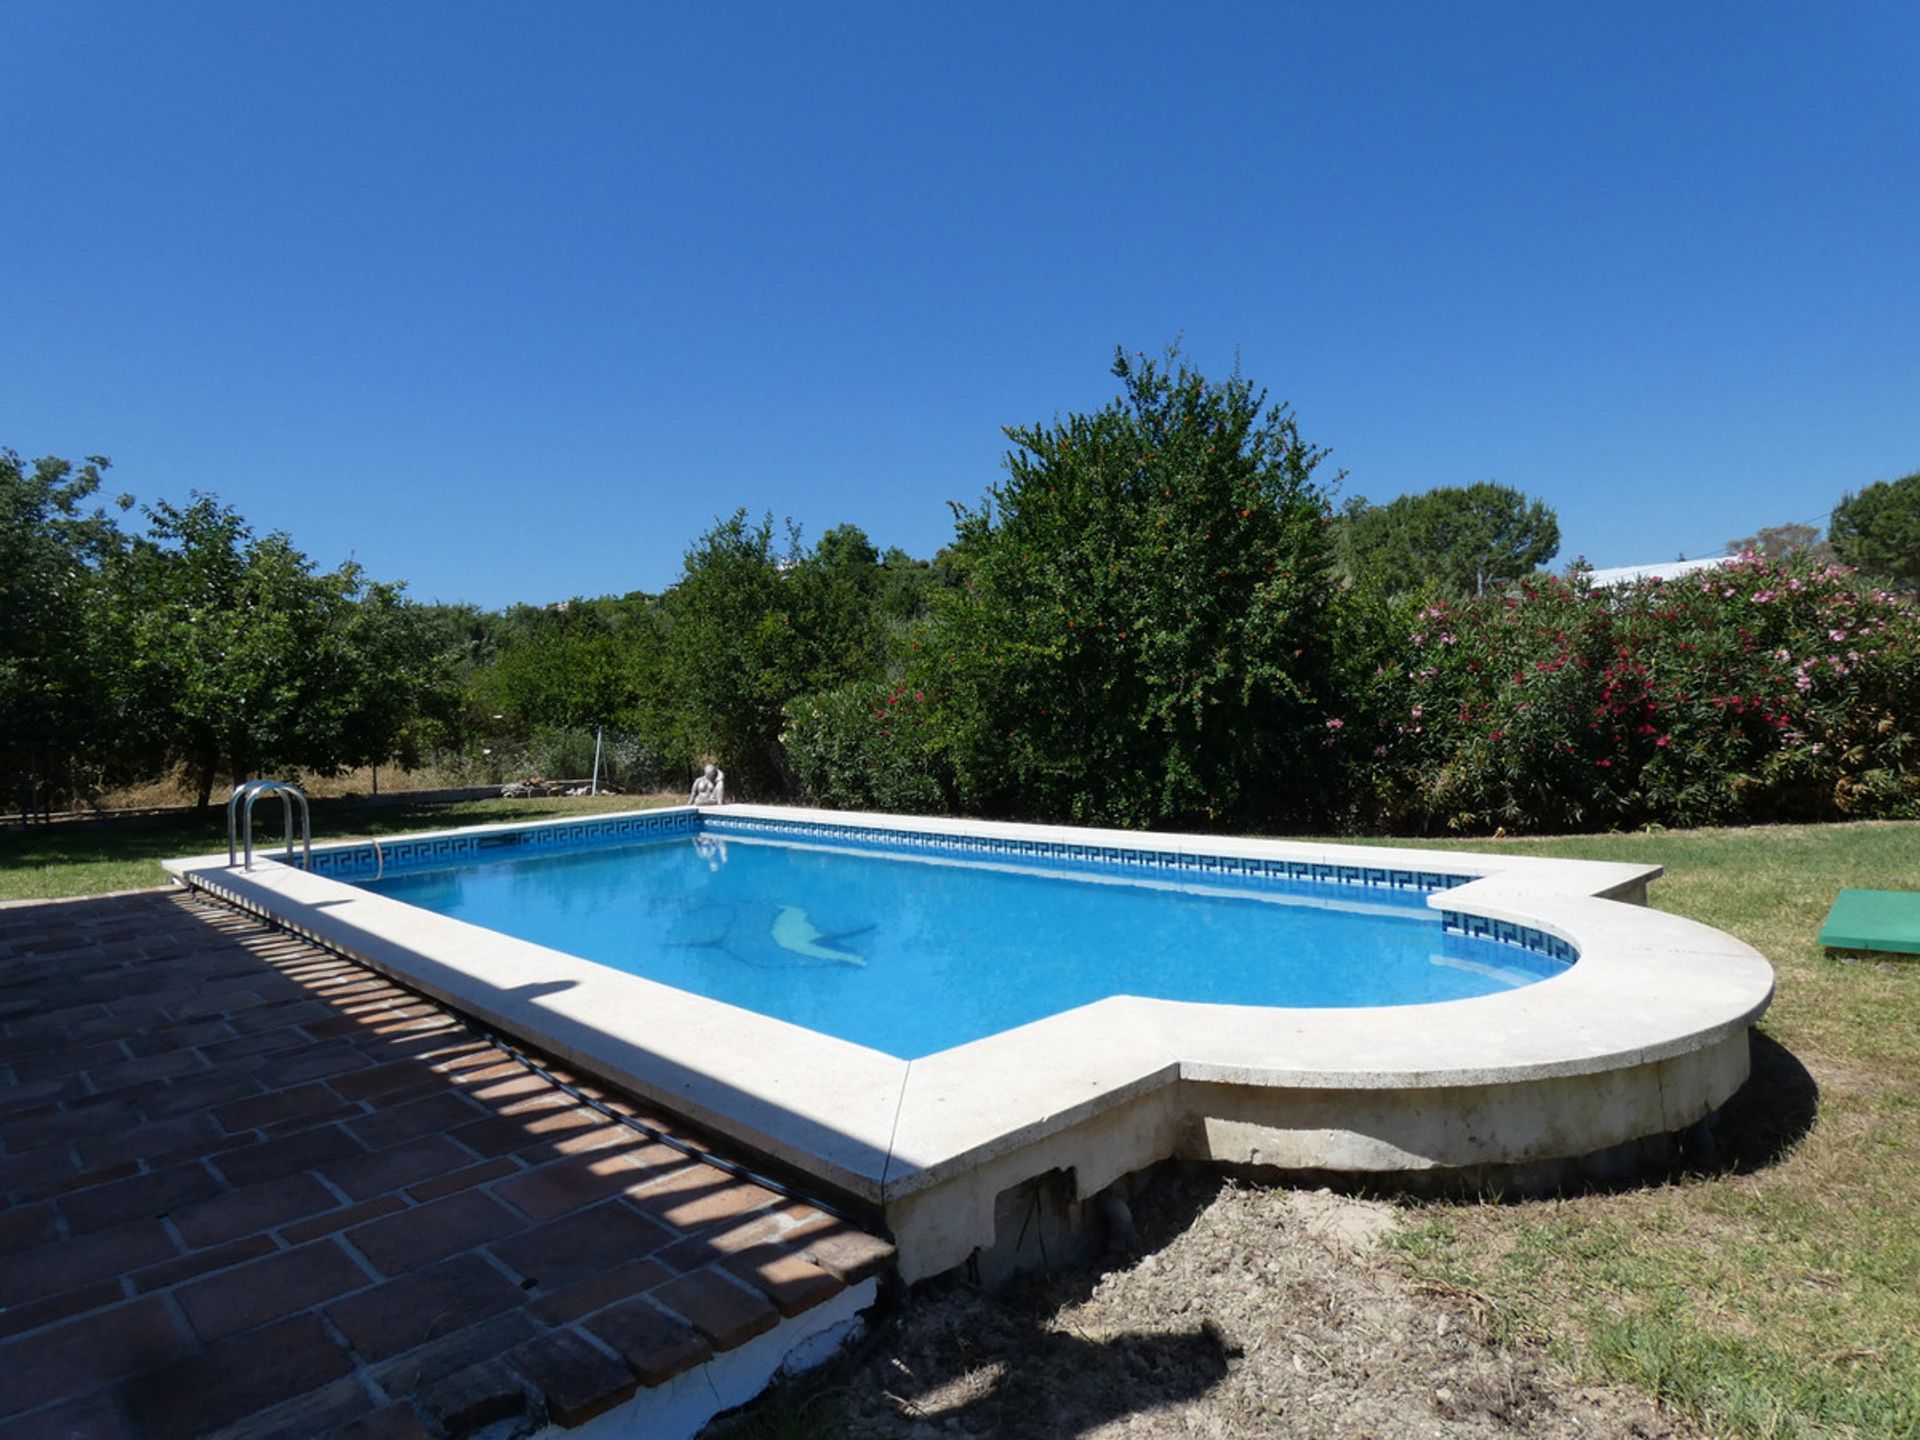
(882, 1129)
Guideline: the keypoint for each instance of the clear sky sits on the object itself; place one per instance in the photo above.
(512, 300)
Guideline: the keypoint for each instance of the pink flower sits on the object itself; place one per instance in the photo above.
(1336, 724)
(1663, 742)
(1761, 597)
(1836, 634)
(1604, 764)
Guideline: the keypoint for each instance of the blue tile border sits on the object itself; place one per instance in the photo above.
(1505, 932)
(366, 861)
(1106, 856)
(438, 852)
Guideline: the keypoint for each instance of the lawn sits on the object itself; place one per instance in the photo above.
(94, 857)
(1776, 1294)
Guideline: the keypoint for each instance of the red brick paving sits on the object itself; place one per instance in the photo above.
(727, 1313)
(252, 1188)
(656, 1345)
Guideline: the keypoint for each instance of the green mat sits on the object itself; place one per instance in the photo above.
(1874, 920)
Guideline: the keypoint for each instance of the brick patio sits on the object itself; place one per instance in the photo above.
(254, 1189)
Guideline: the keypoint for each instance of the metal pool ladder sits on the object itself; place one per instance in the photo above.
(240, 819)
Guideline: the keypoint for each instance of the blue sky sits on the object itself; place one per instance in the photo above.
(512, 300)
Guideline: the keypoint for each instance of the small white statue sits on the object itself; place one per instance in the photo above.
(709, 787)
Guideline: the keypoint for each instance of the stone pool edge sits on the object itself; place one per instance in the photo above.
(1645, 1036)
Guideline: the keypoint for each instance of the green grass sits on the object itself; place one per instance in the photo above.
(1778, 1295)
(94, 857)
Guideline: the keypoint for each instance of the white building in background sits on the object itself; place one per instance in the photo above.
(1670, 570)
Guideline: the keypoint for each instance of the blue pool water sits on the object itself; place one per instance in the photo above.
(911, 954)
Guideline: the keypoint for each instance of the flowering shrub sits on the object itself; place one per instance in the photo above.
(1766, 689)
(867, 747)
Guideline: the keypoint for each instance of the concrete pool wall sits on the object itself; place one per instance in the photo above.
(1645, 1036)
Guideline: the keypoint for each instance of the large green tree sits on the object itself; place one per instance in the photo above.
(571, 672)
(750, 625)
(1139, 637)
(1460, 540)
(234, 655)
(391, 692)
(1878, 530)
(56, 722)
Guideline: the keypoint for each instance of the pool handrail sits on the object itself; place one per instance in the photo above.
(240, 820)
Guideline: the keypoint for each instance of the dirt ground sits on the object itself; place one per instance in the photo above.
(1241, 1310)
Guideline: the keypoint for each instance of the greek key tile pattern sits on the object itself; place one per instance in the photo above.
(1505, 932)
(1104, 856)
(438, 852)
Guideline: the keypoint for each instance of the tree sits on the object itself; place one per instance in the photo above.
(568, 672)
(469, 637)
(234, 656)
(56, 727)
(749, 627)
(1780, 541)
(1878, 531)
(846, 549)
(1462, 540)
(836, 595)
(393, 690)
(1137, 635)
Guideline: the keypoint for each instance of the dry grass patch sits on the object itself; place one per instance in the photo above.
(1252, 1311)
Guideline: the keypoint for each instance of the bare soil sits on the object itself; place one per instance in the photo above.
(1242, 1311)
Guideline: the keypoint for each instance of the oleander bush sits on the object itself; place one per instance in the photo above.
(1764, 690)
(869, 746)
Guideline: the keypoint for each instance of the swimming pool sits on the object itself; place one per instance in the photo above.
(914, 952)
(1635, 1029)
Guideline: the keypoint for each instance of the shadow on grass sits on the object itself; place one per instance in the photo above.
(1767, 1118)
(1758, 1127)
